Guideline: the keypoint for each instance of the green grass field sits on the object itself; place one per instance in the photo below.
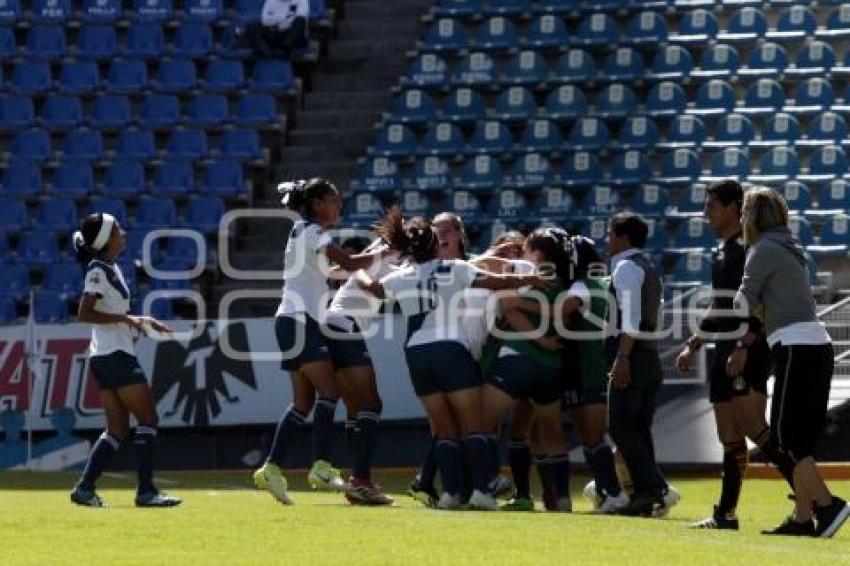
(225, 521)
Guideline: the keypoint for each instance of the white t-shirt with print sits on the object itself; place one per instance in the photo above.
(305, 284)
(106, 282)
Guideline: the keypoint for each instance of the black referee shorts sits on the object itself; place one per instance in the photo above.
(800, 396)
(756, 372)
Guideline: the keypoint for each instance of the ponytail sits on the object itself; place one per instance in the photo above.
(298, 195)
(415, 238)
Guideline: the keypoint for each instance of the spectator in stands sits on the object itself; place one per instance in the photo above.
(775, 277)
(282, 29)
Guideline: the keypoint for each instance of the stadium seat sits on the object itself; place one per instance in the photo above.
(684, 131)
(16, 112)
(272, 76)
(794, 23)
(837, 23)
(516, 104)
(223, 178)
(45, 43)
(531, 171)
(646, 28)
(671, 62)
(82, 145)
(173, 178)
(144, 41)
(693, 233)
(15, 282)
(825, 164)
(224, 75)
(816, 58)
(540, 136)
(379, 174)
(51, 11)
(73, 179)
(161, 308)
(156, 213)
(508, 205)
(110, 112)
(746, 25)
(428, 70)
(801, 229)
(395, 140)
(125, 178)
(495, 34)
(101, 11)
(78, 77)
(431, 174)
(58, 215)
(769, 60)
(415, 203)
(638, 132)
(581, 169)
(247, 11)
(240, 144)
(824, 129)
(811, 96)
(623, 64)
(596, 30)
(691, 269)
(152, 11)
(203, 10)
(780, 129)
(656, 237)
(458, 7)
(554, 205)
(135, 144)
(30, 145)
(615, 101)
(170, 284)
(10, 13)
(8, 44)
(209, 111)
(666, 99)
(731, 162)
(680, 167)
(61, 113)
(13, 217)
(721, 61)
(8, 310)
(575, 66)
(630, 168)
(413, 106)
(508, 7)
(445, 34)
(192, 40)
(834, 237)
(131, 278)
(159, 111)
(134, 246)
(362, 210)
(97, 42)
(176, 76)
(491, 137)
(65, 279)
(442, 139)
(31, 78)
(834, 197)
(257, 110)
(525, 68)
(128, 76)
(696, 27)
(545, 32)
(713, 98)
(463, 105)
(466, 205)
(481, 173)
(109, 205)
(204, 213)
(183, 251)
(691, 200)
(567, 102)
(779, 163)
(38, 248)
(732, 130)
(601, 200)
(49, 308)
(650, 201)
(796, 194)
(22, 180)
(588, 134)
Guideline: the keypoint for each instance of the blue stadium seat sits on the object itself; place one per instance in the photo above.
(442, 139)
(183, 251)
(597, 30)
(45, 43)
(15, 282)
(58, 215)
(650, 201)
(144, 41)
(623, 64)
(458, 7)
(615, 101)
(173, 178)
(124, 178)
(671, 62)
(769, 60)
(395, 140)
(192, 40)
(732, 130)
(13, 218)
(780, 129)
(719, 61)
(555, 204)
(30, 145)
(8, 44)
(813, 95)
(826, 128)
(630, 168)
(833, 196)
(493, 137)
(82, 145)
(431, 174)
(481, 173)
(8, 310)
(379, 174)
(834, 237)
(665, 100)
(516, 104)
(696, 27)
(541, 136)
(801, 229)
(203, 10)
(161, 308)
(837, 23)
(581, 169)
(601, 200)
(110, 112)
(73, 179)
(38, 248)
(51, 11)
(240, 144)
(508, 7)
(22, 180)
(816, 58)
(134, 246)
(247, 11)
(795, 22)
(101, 11)
(546, 31)
(463, 105)
(189, 144)
(16, 112)
(680, 167)
(691, 200)
(170, 284)
(176, 76)
(135, 144)
(778, 164)
(508, 205)
(590, 134)
(31, 78)
(204, 214)
(746, 25)
(691, 269)
(797, 195)
(159, 111)
(257, 110)
(646, 28)
(531, 171)
(731, 162)
(109, 205)
(223, 178)
(224, 75)
(826, 163)
(445, 34)
(413, 106)
(428, 70)
(97, 42)
(638, 132)
(78, 77)
(152, 11)
(656, 237)
(362, 210)
(684, 131)
(713, 98)
(128, 76)
(155, 213)
(49, 308)
(415, 203)
(693, 233)
(10, 12)
(62, 112)
(567, 102)
(273, 76)
(496, 33)
(466, 205)
(575, 66)
(209, 111)
(526, 68)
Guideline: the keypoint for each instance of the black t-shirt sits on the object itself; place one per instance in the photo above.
(727, 270)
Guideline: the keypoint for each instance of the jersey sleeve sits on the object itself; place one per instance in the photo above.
(95, 283)
(580, 291)
(317, 239)
(392, 282)
(465, 273)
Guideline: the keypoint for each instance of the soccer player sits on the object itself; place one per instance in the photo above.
(298, 329)
(775, 277)
(445, 377)
(124, 390)
(739, 401)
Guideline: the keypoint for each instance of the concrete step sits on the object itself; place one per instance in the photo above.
(359, 27)
(349, 139)
(354, 119)
(340, 172)
(381, 9)
(376, 99)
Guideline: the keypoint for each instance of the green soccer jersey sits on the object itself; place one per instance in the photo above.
(590, 345)
(529, 348)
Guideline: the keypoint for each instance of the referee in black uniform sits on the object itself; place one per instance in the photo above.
(739, 398)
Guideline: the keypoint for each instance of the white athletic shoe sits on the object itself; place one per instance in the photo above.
(592, 495)
(501, 487)
(448, 502)
(271, 479)
(612, 504)
(671, 498)
(481, 501)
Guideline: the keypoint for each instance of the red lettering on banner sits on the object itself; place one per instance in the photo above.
(64, 350)
(13, 375)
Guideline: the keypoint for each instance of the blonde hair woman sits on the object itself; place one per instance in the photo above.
(776, 279)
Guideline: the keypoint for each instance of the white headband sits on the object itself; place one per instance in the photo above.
(104, 232)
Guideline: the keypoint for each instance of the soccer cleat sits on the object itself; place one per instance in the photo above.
(364, 492)
(86, 498)
(611, 504)
(324, 476)
(550, 501)
(481, 501)
(426, 495)
(591, 494)
(518, 504)
(501, 487)
(448, 502)
(271, 479)
(639, 506)
(669, 500)
(794, 529)
(718, 520)
(156, 499)
(831, 517)
(563, 505)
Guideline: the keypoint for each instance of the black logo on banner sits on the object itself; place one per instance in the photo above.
(201, 372)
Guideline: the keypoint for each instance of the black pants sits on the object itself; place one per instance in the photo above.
(630, 414)
(273, 42)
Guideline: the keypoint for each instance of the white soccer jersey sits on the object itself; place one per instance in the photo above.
(305, 284)
(106, 282)
(431, 296)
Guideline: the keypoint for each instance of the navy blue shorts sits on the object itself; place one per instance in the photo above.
(300, 340)
(116, 370)
(441, 367)
(347, 346)
(522, 378)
